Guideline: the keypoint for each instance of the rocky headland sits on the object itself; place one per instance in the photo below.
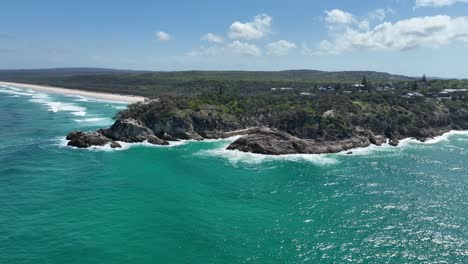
(267, 130)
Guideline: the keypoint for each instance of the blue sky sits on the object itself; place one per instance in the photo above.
(400, 36)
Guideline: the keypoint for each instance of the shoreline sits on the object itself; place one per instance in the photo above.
(76, 92)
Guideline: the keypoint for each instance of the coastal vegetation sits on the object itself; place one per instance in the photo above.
(157, 84)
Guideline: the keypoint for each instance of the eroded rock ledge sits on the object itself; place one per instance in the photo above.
(262, 140)
(270, 142)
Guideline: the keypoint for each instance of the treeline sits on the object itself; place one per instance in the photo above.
(155, 84)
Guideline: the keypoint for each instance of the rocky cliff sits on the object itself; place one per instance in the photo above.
(271, 132)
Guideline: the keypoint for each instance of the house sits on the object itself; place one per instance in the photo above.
(282, 89)
(413, 95)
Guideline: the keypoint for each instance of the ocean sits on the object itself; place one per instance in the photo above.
(194, 202)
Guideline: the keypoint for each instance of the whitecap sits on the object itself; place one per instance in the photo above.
(15, 92)
(10, 87)
(442, 138)
(92, 119)
(237, 156)
(58, 106)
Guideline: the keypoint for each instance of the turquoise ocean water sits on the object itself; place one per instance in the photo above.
(196, 203)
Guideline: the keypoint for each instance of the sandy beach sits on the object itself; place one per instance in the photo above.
(90, 94)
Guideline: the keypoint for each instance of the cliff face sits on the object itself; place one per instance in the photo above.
(268, 131)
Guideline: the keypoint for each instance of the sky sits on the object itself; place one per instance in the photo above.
(411, 37)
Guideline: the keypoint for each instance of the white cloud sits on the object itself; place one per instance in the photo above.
(437, 3)
(280, 48)
(380, 14)
(256, 29)
(206, 51)
(235, 48)
(210, 37)
(432, 31)
(337, 16)
(245, 49)
(163, 36)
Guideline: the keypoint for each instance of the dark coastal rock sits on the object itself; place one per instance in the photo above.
(377, 140)
(393, 142)
(88, 139)
(272, 142)
(132, 131)
(167, 137)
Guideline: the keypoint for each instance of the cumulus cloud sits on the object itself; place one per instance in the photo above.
(210, 37)
(280, 48)
(235, 48)
(437, 3)
(431, 31)
(337, 16)
(255, 29)
(163, 36)
(244, 49)
(380, 14)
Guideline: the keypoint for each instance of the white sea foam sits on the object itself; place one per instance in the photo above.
(404, 143)
(63, 142)
(237, 156)
(366, 150)
(14, 92)
(92, 120)
(119, 107)
(79, 98)
(11, 88)
(442, 138)
(58, 106)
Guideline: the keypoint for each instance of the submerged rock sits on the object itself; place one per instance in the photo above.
(88, 139)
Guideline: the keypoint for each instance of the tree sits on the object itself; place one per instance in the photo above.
(424, 79)
(365, 82)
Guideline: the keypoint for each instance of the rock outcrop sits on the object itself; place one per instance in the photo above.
(131, 131)
(88, 139)
(271, 142)
(125, 130)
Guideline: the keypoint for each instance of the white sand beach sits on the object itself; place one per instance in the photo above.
(60, 90)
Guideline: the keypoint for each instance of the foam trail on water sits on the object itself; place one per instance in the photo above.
(58, 106)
